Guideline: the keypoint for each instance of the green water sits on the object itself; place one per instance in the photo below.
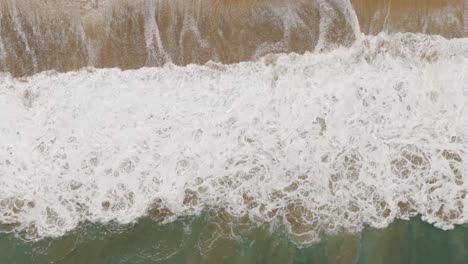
(201, 240)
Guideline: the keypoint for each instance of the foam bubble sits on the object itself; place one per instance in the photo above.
(323, 142)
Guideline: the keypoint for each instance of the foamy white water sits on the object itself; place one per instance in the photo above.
(321, 142)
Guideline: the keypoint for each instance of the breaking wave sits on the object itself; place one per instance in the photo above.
(321, 142)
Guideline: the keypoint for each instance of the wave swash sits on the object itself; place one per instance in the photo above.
(335, 140)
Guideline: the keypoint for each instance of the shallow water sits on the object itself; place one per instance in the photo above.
(67, 34)
(199, 240)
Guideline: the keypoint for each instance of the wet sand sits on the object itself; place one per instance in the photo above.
(132, 34)
(440, 17)
(67, 35)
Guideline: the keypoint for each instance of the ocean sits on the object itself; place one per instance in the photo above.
(220, 131)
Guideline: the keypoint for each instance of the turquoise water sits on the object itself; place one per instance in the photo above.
(201, 240)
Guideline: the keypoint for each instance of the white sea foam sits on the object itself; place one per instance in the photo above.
(323, 142)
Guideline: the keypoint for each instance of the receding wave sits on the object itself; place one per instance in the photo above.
(440, 17)
(356, 137)
(68, 35)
